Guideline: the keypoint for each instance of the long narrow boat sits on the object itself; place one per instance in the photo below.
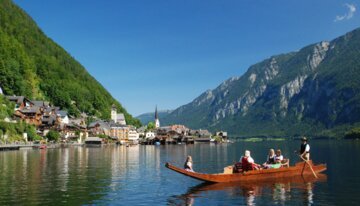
(298, 182)
(299, 169)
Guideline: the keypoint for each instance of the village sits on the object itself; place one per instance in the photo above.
(79, 130)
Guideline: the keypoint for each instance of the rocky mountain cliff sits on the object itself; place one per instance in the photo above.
(313, 91)
(33, 65)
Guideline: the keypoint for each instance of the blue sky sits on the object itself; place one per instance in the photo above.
(167, 52)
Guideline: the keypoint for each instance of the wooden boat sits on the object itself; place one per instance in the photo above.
(299, 169)
(40, 146)
(297, 182)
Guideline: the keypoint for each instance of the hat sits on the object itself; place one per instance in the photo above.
(303, 139)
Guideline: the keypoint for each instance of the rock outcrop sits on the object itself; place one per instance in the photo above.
(313, 89)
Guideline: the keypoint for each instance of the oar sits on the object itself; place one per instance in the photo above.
(312, 170)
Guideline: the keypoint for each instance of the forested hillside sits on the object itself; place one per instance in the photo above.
(149, 117)
(33, 65)
(13, 131)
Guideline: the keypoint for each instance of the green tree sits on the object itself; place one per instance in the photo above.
(103, 136)
(150, 126)
(353, 134)
(53, 135)
(31, 132)
(6, 108)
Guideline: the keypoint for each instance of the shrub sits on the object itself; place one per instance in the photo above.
(53, 135)
(353, 134)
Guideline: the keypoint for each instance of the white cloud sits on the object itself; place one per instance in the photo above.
(348, 15)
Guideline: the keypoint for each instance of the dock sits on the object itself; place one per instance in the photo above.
(14, 147)
(9, 147)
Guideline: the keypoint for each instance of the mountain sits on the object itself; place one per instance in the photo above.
(314, 91)
(33, 65)
(150, 116)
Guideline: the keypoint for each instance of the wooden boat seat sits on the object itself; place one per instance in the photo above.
(238, 168)
(229, 169)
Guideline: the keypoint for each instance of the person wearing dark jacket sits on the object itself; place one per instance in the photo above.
(305, 149)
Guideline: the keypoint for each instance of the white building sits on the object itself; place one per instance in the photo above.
(117, 118)
(120, 118)
(64, 116)
(133, 136)
(150, 135)
(113, 113)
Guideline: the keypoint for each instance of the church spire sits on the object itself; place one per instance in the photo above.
(157, 122)
(156, 113)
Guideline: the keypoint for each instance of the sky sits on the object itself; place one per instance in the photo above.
(168, 52)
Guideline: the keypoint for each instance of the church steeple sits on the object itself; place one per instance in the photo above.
(113, 113)
(157, 122)
(156, 113)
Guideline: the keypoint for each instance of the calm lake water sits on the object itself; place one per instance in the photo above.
(118, 175)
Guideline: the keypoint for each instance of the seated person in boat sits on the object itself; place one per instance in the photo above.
(248, 163)
(279, 159)
(270, 160)
(188, 164)
(278, 156)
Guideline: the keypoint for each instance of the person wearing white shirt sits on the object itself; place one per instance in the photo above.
(248, 162)
(305, 149)
(188, 164)
(278, 157)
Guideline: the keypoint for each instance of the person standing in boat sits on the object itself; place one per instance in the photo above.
(188, 164)
(305, 149)
(248, 162)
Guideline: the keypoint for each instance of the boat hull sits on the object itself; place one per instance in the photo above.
(300, 169)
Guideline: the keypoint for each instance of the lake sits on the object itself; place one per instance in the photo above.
(119, 175)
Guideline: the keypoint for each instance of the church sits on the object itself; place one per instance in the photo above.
(117, 118)
(157, 121)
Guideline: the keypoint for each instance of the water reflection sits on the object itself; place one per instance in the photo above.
(277, 192)
(281, 192)
(60, 176)
(117, 175)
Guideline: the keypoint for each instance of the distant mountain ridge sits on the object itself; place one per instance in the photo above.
(150, 116)
(314, 91)
(33, 65)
